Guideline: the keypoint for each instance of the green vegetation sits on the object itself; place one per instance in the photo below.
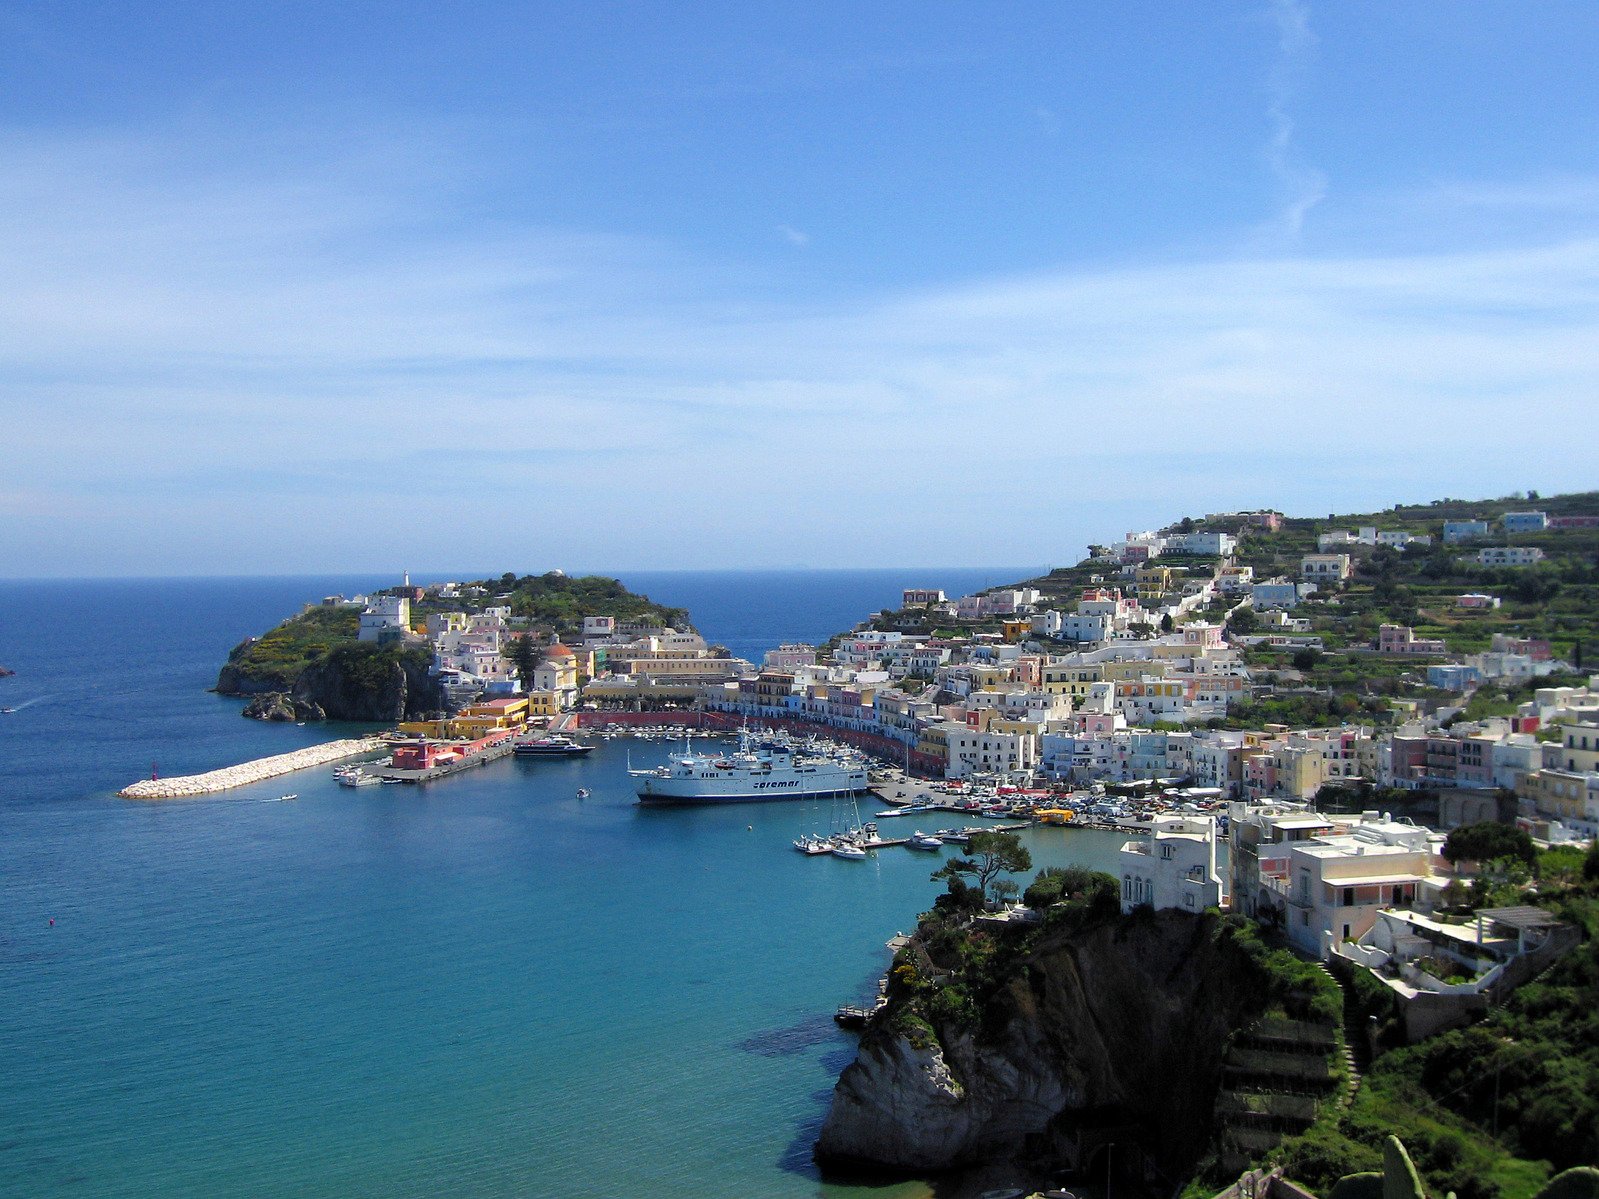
(1487, 1111)
(547, 605)
(523, 654)
(276, 659)
(992, 854)
(555, 603)
(1489, 842)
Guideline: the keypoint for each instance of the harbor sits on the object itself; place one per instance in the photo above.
(258, 771)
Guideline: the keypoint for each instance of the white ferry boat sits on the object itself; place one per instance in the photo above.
(774, 771)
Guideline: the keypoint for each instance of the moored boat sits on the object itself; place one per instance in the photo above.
(773, 771)
(552, 745)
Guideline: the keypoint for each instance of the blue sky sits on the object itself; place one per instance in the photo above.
(298, 287)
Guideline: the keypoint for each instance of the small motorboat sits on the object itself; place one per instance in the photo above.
(921, 840)
(582, 792)
(291, 795)
(852, 852)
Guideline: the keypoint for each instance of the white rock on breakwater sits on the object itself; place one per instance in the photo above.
(183, 786)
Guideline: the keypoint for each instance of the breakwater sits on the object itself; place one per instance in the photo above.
(261, 769)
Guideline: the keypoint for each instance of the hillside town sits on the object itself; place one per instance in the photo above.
(1135, 677)
(1131, 691)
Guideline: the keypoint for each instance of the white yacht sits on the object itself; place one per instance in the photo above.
(774, 771)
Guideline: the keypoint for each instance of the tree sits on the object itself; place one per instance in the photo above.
(1489, 842)
(1243, 621)
(992, 854)
(1590, 864)
(523, 654)
(1306, 659)
(1166, 624)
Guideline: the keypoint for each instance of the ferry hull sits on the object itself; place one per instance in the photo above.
(654, 799)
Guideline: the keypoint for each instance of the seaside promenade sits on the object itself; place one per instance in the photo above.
(187, 785)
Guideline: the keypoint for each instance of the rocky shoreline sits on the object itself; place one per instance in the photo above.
(1111, 1029)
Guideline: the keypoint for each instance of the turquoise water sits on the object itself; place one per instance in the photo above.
(482, 987)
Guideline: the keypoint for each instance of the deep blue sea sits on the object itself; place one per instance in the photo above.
(483, 987)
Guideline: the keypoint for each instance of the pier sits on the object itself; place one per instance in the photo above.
(426, 774)
(187, 785)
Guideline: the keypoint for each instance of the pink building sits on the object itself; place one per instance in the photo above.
(1400, 639)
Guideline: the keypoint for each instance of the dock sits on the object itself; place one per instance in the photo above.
(427, 774)
(185, 786)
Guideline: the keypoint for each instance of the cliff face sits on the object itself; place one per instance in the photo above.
(350, 682)
(355, 683)
(1124, 1022)
(231, 680)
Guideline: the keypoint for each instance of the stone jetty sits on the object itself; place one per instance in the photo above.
(183, 786)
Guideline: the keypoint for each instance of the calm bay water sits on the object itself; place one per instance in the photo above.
(482, 987)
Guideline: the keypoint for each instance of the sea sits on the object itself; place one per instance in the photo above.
(486, 986)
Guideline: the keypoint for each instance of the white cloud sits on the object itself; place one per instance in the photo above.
(793, 236)
(215, 371)
(1302, 186)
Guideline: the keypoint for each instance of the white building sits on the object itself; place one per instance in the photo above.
(1174, 866)
(974, 751)
(1222, 544)
(1509, 555)
(385, 618)
(1336, 884)
(1324, 567)
(599, 628)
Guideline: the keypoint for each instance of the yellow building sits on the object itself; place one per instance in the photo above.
(1075, 680)
(1154, 580)
(1579, 747)
(542, 705)
(934, 742)
(475, 720)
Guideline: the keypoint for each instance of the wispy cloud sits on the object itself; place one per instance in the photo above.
(793, 236)
(1302, 187)
(203, 368)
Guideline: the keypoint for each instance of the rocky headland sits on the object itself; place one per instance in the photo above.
(355, 681)
(1041, 1044)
